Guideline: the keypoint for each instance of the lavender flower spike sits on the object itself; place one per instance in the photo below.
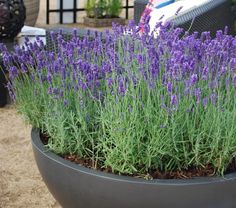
(178, 10)
(234, 80)
(173, 100)
(193, 79)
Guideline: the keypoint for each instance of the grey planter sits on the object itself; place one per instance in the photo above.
(79, 187)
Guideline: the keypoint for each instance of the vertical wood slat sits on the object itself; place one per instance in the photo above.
(47, 12)
(32, 11)
(127, 9)
(61, 11)
(75, 12)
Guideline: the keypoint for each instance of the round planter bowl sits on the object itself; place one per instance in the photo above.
(79, 187)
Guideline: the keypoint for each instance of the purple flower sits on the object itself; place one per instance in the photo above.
(74, 32)
(193, 79)
(3, 48)
(234, 42)
(234, 80)
(213, 84)
(121, 87)
(205, 73)
(13, 72)
(43, 78)
(169, 87)
(52, 35)
(198, 93)
(178, 10)
(49, 78)
(227, 83)
(213, 98)
(109, 82)
(61, 93)
(205, 101)
(6, 59)
(233, 63)
(55, 91)
(11, 91)
(23, 68)
(130, 109)
(173, 100)
(140, 59)
(50, 90)
(223, 71)
(66, 102)
(186, 91)
(27, 40)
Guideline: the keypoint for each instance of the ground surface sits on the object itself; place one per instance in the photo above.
(21, 185)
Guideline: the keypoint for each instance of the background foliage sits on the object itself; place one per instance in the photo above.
(103, 8)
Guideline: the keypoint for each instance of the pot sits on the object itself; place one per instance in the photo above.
(75, 186)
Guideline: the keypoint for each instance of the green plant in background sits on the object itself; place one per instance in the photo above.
(114, 8)
(89, 8)
(103, 8)
(100, 9)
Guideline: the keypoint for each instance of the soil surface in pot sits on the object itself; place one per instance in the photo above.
(189, 173)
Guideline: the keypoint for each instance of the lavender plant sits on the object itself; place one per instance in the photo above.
(132, 102)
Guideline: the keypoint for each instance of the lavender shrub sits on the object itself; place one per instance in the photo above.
(132, 102)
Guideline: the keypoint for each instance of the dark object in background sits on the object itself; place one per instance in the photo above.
(12, 18)
(3, 89)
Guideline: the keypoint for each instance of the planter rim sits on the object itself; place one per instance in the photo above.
(36, 142)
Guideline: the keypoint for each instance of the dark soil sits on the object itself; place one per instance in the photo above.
(44, 138)
(193, 172)
(189, 173)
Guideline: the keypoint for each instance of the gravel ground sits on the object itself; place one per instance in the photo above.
(21, 185)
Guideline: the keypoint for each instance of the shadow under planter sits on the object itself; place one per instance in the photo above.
(103, 22)
(75, 186)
